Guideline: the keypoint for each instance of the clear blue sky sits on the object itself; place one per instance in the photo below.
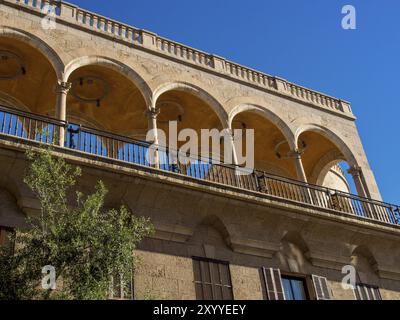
(303, 42)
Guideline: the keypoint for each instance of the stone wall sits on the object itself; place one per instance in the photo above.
(192, 221)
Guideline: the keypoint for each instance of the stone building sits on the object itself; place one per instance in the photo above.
(285, 231)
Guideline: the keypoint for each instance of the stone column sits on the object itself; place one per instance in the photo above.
(301, 174)
(230, 142)
(231, 137)
(152, 125)
(308, 193)
(62, 89)
(355, 172)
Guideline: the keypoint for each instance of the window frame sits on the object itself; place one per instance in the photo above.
(213, 284)
(307, 282)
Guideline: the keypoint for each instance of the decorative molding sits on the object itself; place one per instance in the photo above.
(355, 171)
(152, 113)
(63, 87)
(254, 247)
(323, 260)
(171, 232)
(387, 272)
(29, 203)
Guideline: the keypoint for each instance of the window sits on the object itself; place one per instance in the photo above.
(367, 292)
(294, 288)
(212, 279)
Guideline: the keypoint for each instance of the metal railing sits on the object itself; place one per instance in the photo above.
(41, 129)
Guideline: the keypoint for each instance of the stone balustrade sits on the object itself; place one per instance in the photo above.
(102, 24)
(317, 98)
(151, 41)
(181, 51)
(249, 75)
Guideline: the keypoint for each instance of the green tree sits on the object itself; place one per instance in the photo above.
(84, 242)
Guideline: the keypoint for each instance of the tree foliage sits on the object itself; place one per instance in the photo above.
(84, 242)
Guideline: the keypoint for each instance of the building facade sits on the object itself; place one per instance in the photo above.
(94, 87)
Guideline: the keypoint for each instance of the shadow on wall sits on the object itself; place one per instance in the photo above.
(11, 215)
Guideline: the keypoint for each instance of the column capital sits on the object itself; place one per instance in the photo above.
(63, 87)
(295, 154)
(152, 113)
(229, 132)
(355, 171)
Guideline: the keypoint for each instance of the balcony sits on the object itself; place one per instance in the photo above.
(29, 128)
(72, 15)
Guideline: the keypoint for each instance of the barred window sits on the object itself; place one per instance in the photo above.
(120, 288)
(212, 279)
(367, 292)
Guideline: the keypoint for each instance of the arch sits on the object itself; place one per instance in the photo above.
(296, 238)
(112, 64)
(10, 214)
(365, 264)
(364, 251)
(9, 101)
(329, 168)
(37, 43)
(215, 222)
(13, 184)
(90, 123)
(324, 164)
(267, 114)
(274, 169)
(294, 252)
(197, 92)
(331, 136)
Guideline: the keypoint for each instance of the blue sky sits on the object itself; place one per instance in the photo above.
(303, 42)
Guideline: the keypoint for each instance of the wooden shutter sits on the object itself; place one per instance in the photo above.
(365, 292)
(377, 293)
(273, 284)
(362, 293)
(357, 293)
(322, 289)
